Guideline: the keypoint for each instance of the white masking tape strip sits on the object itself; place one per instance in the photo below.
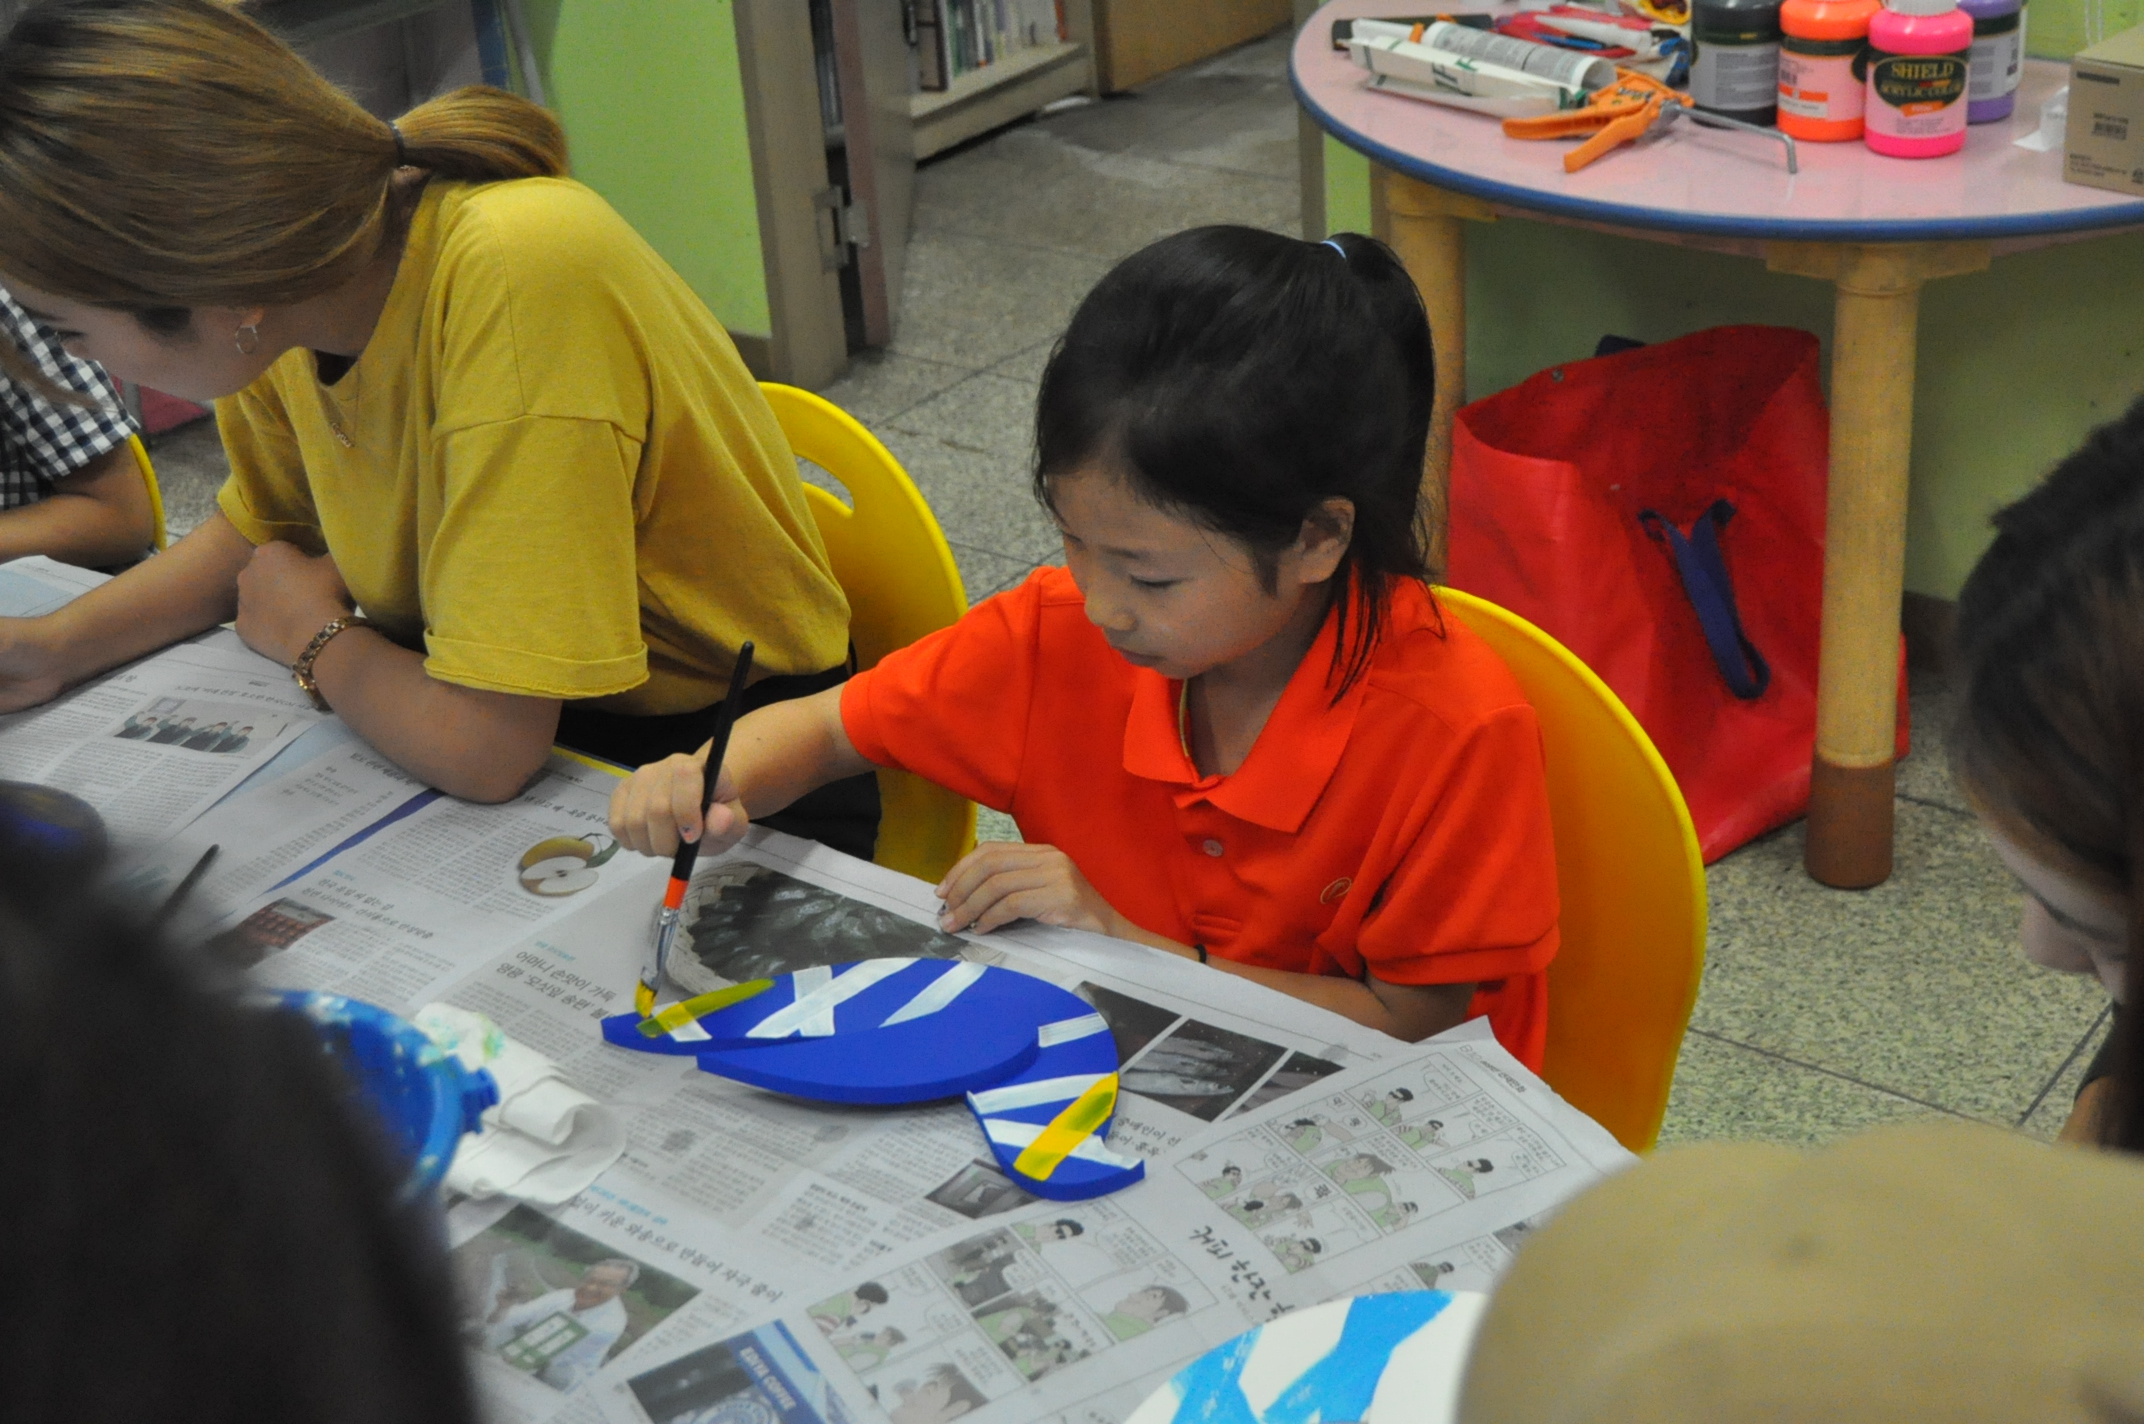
(1066, 1030)
(818, 992)
(941, 991)
(1027, 1095)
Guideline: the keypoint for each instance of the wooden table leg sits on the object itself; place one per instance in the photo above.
(1851, 782)
(1426, 227)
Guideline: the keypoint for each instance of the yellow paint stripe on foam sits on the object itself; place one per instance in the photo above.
(1040, 1158)
(680, 1014)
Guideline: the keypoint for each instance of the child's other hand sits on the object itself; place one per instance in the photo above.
(659, 805)
(1002, 881)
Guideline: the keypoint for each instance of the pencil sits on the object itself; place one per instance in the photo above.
(655, 970)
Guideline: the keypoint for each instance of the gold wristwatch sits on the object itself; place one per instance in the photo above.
(302, 670)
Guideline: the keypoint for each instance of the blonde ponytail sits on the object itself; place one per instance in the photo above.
(159, 154)
(480, 134)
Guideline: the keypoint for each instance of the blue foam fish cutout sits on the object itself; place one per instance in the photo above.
(1038, 1064)
(884, 1031)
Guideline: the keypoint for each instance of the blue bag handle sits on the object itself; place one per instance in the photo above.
(1712, 596)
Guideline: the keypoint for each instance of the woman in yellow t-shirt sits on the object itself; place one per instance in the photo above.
(458, 392)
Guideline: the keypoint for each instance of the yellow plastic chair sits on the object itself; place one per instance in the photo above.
(898, 572)
(156, 491)
(1632, 885)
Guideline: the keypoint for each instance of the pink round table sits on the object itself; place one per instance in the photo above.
(1876, 228)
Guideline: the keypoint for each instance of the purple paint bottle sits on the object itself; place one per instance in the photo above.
(1998, 58)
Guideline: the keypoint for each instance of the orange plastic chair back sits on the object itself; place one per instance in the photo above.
(1632, 885)
(161, 539)
(893, 563)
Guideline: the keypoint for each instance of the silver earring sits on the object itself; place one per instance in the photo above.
(249, 340)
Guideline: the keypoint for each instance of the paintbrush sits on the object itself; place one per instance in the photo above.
(185, 887)
(654, 971)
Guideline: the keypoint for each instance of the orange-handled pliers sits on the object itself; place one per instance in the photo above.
(1619, 114)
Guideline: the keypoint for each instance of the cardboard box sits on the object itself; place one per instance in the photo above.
(2105, 147)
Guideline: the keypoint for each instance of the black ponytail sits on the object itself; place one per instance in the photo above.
(1242, 378)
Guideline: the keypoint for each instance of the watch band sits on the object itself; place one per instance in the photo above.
(301, 671)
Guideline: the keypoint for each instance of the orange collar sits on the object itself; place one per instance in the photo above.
(1290, 763)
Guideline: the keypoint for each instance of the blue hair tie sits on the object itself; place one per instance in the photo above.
(1337, 248)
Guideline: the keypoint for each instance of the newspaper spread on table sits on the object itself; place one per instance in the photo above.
(753, 1257)
(156, 743)
(873, 1262)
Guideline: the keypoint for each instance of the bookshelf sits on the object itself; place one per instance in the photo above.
(982, 99)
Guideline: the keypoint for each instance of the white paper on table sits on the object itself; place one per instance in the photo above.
(773, 1211)
(145, 790)
(274, 826)
(32, 587)
(416, 906)
(543, 1140)
(2053, 127)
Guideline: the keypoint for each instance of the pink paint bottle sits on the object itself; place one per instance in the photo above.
(1920, 57)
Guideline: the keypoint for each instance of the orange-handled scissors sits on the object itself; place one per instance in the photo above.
(1619, 114)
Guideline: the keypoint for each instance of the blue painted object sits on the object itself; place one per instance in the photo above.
(1077, 1061)
(421, 1094)
(1330, 1363)
(1038, 1064)
(882, 1030)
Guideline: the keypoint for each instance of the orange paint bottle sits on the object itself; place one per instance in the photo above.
(1823, 67)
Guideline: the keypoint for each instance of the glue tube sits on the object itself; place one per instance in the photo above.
(1920, 52)
(1823, 67)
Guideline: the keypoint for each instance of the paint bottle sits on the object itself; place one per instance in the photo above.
(1998, 58)
(1919, 56)
(1823, 67)
(1734, 58)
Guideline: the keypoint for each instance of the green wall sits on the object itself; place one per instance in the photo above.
(652, 98)
(2015, 363)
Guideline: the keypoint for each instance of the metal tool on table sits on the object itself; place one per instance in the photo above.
(1632, 108)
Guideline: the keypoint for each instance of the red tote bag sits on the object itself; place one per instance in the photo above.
(1660, 511)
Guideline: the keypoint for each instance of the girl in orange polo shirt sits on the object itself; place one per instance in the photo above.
(1236, 725)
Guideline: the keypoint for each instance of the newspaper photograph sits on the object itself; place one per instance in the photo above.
(550, 1297)
(759, 1377)
(158, 742)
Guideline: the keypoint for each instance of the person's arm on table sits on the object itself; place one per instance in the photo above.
(97, 516)
(776, 755)
(781, 752)
(468, 742)
(1001, 881)
(191, 586)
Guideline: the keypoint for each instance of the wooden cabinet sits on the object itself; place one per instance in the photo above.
(1135, 40)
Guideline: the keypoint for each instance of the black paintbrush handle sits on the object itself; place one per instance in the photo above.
(718, 747)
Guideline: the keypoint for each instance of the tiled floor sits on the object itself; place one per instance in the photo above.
(1821, 1012)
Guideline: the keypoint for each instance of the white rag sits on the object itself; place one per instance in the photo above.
(544, 1140)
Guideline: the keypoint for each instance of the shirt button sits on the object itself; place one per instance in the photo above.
(1213, 847)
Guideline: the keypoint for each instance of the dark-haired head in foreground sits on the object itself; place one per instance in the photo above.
(2049, 739)
(197, 1228)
